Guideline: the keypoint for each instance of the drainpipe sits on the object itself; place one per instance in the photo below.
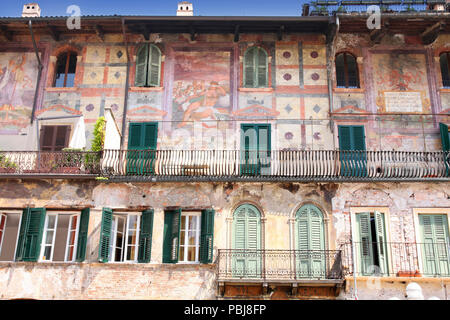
(40, 67)
(125, 102)
(329, 73)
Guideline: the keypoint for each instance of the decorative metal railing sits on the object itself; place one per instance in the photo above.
(329, 7)
(278, 265)
(61, 162)
(397, 259)
(302, 164)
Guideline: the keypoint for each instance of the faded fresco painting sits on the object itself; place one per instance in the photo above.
(18, 72)
(400, 82)
(201, 88)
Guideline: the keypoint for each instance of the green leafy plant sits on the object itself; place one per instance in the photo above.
(5, 163)
(92, 160)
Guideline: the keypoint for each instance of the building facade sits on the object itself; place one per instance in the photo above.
(240, 157)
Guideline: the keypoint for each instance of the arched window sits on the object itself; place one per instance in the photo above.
(148, 66)
(255, 68)
(246, 260)
(310, 242)
(445, 68)
(66, 65)
(346, 71)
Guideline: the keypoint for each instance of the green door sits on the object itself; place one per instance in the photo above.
(141, 154)
(371, 244)
(352, 153)
(310, 254)
(246, 256)
(445, 139)
(255, 149)
(435, 244)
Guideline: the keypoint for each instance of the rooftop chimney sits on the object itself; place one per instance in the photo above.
(31, 10)
(185, 9)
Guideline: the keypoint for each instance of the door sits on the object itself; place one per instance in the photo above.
(352, 153)
(371, 244)
(142, 140)
(246, 255)
(435, 244)
(310, 255)
(255, 149)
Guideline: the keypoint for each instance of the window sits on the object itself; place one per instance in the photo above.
(444, 60)
(148, 66)
(188, 236)
(346, 71)
(255, 149)
(142, 142)
(255, 68)
(125, 237)
(352, 153)
(54, 138)
(124, 241)
(9, 230)
(66, 65)
(2, 228)
(60, 237)
(371, 243)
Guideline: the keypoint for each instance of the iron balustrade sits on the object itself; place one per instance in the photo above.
(278, 265)
(401, 259)
(46, 162)
(326, 164)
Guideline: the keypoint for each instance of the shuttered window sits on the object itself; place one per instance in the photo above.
(30, 234)
(445, 136)
(148, 66)
(346, 71)
(255, 68)
(66, 65)
(142, 141)
(207, 236)
(444, 60)
(255, 149)
(171, 236)
(54, 138)
(435, 242)
(105, 235)
(352, 151)
(145, 236)
(82, 235)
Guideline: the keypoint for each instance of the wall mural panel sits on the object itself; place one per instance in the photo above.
(18, 73)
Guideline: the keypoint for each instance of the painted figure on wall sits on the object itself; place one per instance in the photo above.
(201, 87)
(17, 71)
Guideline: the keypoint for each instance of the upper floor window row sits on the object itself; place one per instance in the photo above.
(256, 68)
(148, 66)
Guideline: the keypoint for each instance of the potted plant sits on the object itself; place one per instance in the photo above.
(71, 160)
(92, 160)
(6, 165)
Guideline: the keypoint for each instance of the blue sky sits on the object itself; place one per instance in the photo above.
(13, 8)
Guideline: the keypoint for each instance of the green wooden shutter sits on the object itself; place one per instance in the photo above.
(364, 242)
(135, 135)
(445, 138)
(345, 142)
(262, 68)
(22, 234)
(145, 237)
(82, 235)
(250, 68)
(351, 140)
(434, 229)
(381, 242)
(171, 236)
(142, 141)
(154, 67)
(207, 236)
(105, 235)
(141, 66)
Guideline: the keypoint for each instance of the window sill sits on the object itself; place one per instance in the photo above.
(348, 90)
(256, 89)
(446, 90)
(145, 89)
(61, 89)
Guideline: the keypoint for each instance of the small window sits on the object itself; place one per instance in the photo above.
(124, 238)
(60, 235)
(445, 69)
(255, 68)
(54, 138)
(346, 71)
(66, 65)
(148, 66)
(189, 237)
(9, 230)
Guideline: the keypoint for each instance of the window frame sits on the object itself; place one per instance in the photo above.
(53, 145)
(185, 215)
(256, 84)
(5, 216)
(125, 245)
(447, 53)
(77, 232)
(67, 56)
(148, 64)
(346, 72)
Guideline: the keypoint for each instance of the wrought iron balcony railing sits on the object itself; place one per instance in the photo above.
(52, 163)
(397, 259)
(278, 265)
(267, 165)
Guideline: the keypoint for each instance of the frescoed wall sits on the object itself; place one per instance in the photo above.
(18, 73)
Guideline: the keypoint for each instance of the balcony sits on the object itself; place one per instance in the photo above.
(397, 259)
(230, 165)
